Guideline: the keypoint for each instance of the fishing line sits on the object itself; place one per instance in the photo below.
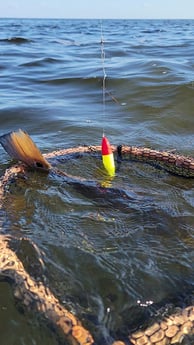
(104, 78)
(107, 154)
(104, 89)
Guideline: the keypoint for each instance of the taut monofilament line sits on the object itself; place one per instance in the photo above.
(104, 76)
(107, 154)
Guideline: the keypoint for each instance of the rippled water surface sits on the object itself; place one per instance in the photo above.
(107, 252)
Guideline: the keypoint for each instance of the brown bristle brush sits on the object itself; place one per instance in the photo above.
(20, 146)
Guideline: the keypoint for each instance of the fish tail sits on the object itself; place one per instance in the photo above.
(20, 146)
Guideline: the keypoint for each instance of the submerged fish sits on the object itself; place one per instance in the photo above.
(21, 147)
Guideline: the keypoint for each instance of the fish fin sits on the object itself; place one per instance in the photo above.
(20, 146)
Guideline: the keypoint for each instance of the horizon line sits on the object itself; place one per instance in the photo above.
(94, 18)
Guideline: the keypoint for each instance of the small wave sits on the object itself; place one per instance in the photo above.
(63, 81)
(154, 31)
(16, 40)
(67, 42)
(40, 62)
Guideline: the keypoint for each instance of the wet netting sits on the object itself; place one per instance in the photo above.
(33, 294)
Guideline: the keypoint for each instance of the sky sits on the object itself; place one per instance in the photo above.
(141, 9)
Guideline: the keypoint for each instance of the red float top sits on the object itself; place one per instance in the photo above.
(106, 148)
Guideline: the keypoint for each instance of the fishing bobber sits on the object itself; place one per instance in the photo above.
(107, 156)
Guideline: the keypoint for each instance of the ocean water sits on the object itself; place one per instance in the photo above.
(114, 259)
